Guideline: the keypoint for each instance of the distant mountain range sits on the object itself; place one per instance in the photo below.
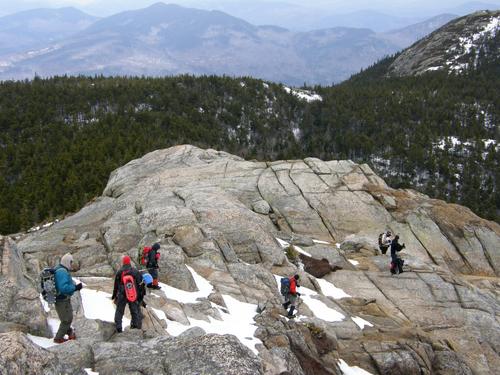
(169, 39)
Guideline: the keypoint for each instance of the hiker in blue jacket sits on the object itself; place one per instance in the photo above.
(65, 287)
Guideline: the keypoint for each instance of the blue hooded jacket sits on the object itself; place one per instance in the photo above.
(64, 283)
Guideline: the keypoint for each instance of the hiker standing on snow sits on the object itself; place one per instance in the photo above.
(152, 264)
(291, 295)
(127, 290)
(65, 288)
(396, 261)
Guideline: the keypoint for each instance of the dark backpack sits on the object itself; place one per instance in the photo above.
(128, 282)
(380, 244)
(284, 286)
(48, 285)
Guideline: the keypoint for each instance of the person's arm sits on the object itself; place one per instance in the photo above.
(64, 282)
(115, 286)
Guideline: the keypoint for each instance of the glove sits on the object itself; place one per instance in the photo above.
(298, 294)
(78, 286)
(403, 246)
(143, 304)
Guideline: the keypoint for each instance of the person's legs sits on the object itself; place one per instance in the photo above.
(292, 300)
(154, 274)
(65, 314)
(135, 312)
(120, 310)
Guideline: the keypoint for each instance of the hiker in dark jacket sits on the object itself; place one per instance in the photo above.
(291, 296)
(65, 288)
(397, 262)
(120, 298)
(152, 265)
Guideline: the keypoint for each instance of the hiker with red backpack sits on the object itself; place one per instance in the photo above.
(150, 257)
(127, 290)
(289, 291)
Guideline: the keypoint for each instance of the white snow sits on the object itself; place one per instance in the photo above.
(433, 68)
(282, 243)
(42, 341)
(90, 372)
(204, 289)
(45, 304)
(330, 290)
(303, 94)
(353, 262)
(337, 245)
(467, 43)
(98, 305)
(361, 322)
(321, 242)
(318, 308)
(299, 249)
(354, 370)
(237, 320)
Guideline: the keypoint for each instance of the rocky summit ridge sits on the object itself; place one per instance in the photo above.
(459, 46)
(225, 225)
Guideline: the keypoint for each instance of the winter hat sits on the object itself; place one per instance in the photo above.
(126, 260)
(156, 246)
(296, 277)
(66, 261)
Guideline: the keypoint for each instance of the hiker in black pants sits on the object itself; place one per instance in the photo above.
(396, 261)
(152, 264)
(126, 291)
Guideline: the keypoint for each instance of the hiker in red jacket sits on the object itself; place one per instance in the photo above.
(291, 296)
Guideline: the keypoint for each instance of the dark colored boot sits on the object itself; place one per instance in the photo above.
(60, 341)
(290, 312)
(285, 305)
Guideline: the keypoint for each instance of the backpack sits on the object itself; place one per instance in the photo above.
(48, 285)
(128, 282)
(380, 244)
(145, 253)
(285, 286)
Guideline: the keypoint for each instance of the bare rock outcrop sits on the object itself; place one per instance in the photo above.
(221, 216)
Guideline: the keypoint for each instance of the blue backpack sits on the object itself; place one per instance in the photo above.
(285, 286)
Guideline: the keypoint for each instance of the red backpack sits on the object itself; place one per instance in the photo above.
(145, 253)
(129, 284)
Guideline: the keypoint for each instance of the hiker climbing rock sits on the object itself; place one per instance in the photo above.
(384, 241)
(289, 291)
(396, 261)
(65, 288)
(151, 263)
(127, 290)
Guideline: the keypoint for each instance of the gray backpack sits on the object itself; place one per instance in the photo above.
(48, 285)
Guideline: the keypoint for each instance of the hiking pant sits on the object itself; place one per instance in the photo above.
(65, 314)
(290, 299)
(383, 249)
(135, 312)
(154, 274)
(398, 263)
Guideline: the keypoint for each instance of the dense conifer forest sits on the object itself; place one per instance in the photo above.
(61, 137)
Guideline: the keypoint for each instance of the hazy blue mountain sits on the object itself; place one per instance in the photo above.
(169, 39)
(408, 35)
(37, 27)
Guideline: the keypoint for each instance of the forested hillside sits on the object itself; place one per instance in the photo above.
(60, 138)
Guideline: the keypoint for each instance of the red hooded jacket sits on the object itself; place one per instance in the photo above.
(293, 285)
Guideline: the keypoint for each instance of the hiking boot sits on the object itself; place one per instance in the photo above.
(119, 330)
(156, 287)
(72, 335)
(60, 341)
(291, 316)
(285, 305)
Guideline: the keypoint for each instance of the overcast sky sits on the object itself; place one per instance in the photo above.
(107, 7)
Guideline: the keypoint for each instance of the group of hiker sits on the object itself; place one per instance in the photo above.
(129, 289)
(386, 241)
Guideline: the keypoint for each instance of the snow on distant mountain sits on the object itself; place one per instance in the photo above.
(169, 39)
(455, 47)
